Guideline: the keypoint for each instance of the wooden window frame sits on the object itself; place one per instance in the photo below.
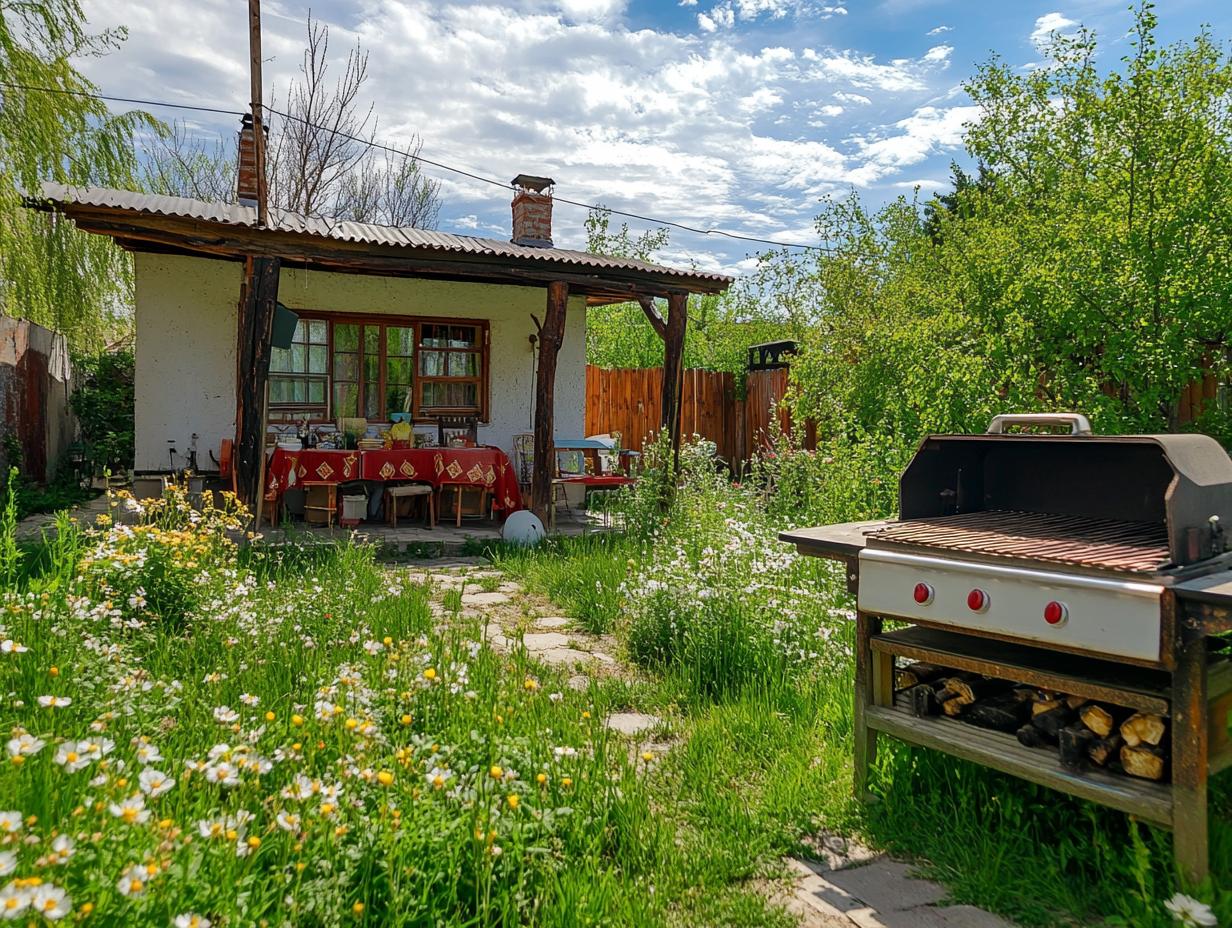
(400, 321)
(308, 376)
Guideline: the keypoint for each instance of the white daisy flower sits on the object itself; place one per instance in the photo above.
(191, 920)
(148, 753)
(62, 848)
(133, 881)
(250, 700)
(1190, 912)
(55, 702)
(10, 822)
(8, 646)
(437, 777)
(154, 782)
(24, 745)
(8, 862)
(13, 901)
(222, 773)
(132, 810)
(225, 715)
(50, 901)
(288, 821)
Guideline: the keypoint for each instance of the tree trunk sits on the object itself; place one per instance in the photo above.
(551, 336)
(258, 299)
(673, 369)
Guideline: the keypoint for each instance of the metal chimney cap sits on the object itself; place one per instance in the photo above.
(531, 182)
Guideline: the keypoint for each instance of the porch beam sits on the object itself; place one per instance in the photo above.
(258, 298)
(551, 336)
(673, 368)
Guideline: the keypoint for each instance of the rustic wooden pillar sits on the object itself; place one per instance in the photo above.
(673, 368)
(1190, 733)
(866, 681)
(258, 299)
(551, 336)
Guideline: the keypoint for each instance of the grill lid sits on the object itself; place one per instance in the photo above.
(1118, 502)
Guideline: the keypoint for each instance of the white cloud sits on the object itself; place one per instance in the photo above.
(925, 132)
(939, 54)
(939, 30)
(848, 97)
(1047, 25)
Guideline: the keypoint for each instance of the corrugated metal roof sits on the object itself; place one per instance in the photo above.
(362, 232)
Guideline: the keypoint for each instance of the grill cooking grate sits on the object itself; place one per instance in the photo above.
(1108, 544)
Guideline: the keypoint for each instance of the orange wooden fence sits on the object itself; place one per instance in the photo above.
(629, 401)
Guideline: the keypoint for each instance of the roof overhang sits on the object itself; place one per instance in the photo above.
(601, 280)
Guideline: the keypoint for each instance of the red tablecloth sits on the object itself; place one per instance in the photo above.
(486, 467)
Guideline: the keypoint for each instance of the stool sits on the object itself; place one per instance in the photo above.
(320, 502)
(410, 491)
(458, 489)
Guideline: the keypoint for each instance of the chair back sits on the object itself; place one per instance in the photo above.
(524, 457)
(447, 426)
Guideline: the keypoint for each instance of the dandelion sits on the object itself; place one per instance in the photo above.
(50, 901)
(385, 778)
(10, 822)
(1190, 912)
(25, 745)
(496, 772)
(512, 800)
(154, 783)
(55, 702)
(131, 810)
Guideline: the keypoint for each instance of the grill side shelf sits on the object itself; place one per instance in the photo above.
(1207, 603)
(1150, 801)
(1105, 681)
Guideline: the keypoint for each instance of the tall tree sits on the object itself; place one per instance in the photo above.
(52, 129)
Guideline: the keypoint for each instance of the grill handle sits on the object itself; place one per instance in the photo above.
(1078, 424)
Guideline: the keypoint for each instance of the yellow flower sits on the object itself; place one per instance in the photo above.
(254, 842)
(585, 715)
(513, 800)
(531, 683)
(54, 671)
(269, 716)
(352, 724)
(358, 908)
(541, 778)
(496, 773)
(647, 755)
(385, 778)
(297, 720)
(86, 908)
(430, 673)
(387, 641)
(406, 719)
(566, 782)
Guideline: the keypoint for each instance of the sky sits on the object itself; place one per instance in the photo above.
(731, 114)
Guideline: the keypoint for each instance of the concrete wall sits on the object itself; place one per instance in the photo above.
(186, 333)
(36, 381)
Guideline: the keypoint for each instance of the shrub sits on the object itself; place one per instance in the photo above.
(103, 403)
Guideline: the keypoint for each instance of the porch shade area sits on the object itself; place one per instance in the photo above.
(231, 232)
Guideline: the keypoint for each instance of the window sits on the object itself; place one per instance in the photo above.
(347, 367)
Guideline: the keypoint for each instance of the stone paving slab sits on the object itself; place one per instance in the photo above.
(887, 885)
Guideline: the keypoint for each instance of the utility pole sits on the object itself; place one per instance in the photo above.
(258, 121)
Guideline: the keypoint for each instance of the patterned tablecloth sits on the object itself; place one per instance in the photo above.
(487, 467)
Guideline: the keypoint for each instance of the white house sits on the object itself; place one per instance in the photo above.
(390, 319)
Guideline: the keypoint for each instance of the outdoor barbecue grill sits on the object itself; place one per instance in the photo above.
(1069, 574)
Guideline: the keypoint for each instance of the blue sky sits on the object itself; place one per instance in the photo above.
(736, 114)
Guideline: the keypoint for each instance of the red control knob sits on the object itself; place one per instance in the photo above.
(923, 594)
(977, 601)
(1056, 613)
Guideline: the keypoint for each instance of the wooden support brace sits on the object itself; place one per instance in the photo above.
(551, 336)
(258, 299)
(652, 314)
(673, 368)
(1190, 734)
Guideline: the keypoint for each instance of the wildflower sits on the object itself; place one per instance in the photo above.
(1190, 912)
(50, 901)
(73, 756)
(148, 753)
(437, 777)
(647, 755)
(250, 700)
(406, 719)
(358, 908)
(132, 882)
(10, 822)
(222, 773)
(430, 673)
(541, 778)
(496, 772)
(154, 783)
(191, 920)
(55, 702)
(225, 715)
(297, 720)
(25, 745)
(270, 716)
(131, 810)
(287, 821)
(8, 646)
(8, 862)
(62, 848)
(531, 684)
(556, 697)
(385, 778)
(14, 900)
(512, 800)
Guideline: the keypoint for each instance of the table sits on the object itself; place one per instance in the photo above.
(481, 467)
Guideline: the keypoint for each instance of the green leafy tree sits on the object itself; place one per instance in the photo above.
(74, 283)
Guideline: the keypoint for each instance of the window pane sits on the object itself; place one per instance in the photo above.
(399, 340)
(316, 392)
(300, 391)
(431, 394)
(316, 331)
(461, 336)
(462, 395)
(278, 391)
(372, 401)
(298, 358)
(449, 396)
(432, 363)
(346, 336)
(463, 364)
(346, 400)
(317, 359)
(372, 339)
(397, 399)
(372, 368)
(346, 366)
(398, 371)
(280, 359)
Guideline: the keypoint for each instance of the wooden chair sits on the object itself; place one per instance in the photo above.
(459, 490)
(411, 491)
(467, 425)
(524, 459)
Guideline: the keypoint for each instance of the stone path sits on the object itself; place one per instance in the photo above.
(844, 885)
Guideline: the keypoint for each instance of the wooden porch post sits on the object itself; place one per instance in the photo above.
(258, 298)
(551, 336)
(673, 368)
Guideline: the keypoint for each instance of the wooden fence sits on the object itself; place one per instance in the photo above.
(629, 401)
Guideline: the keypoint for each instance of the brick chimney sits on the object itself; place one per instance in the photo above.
(246, 164)
(532, 211)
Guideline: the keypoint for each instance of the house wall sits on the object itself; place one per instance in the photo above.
(186, 334)
(36, 382)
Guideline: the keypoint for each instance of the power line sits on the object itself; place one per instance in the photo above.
(371, 143)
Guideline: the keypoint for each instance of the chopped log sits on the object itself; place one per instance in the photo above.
(1102, 720)
(923, 701)
(1145, 761)
(1143, 728)
(1075, 702)
(1040, 706)
(1074, 741)
(954, 707)
(914, 674)
(1030, 737)
(972, 689)
(1102, 750)
(1051, 722)
(1005, 712)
